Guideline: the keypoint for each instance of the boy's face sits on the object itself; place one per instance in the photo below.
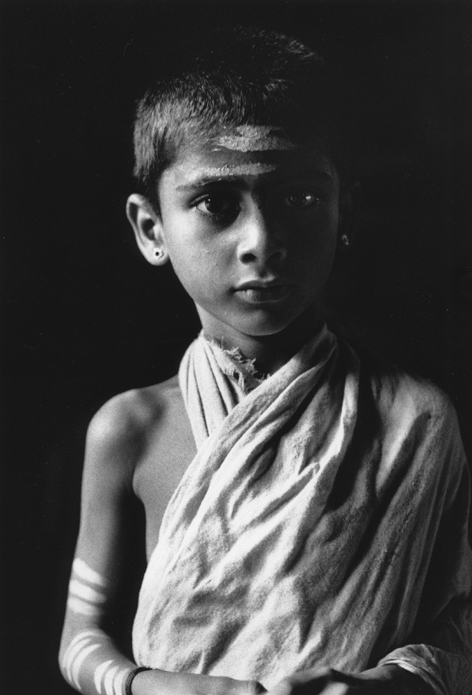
(249, 220)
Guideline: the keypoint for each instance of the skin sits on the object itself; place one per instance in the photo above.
(250, 138)
(247, 217)
(251, 234)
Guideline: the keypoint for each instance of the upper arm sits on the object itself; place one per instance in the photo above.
(108, 515)
(111, 452)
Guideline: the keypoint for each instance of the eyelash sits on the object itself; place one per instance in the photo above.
(233, 207)
(316, 199)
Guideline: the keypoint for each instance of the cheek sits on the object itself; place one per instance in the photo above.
(198, 268)
(315, 256)
(319, 241)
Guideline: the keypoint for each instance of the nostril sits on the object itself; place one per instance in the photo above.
(268, 252)
(279, 253)
(248, 257)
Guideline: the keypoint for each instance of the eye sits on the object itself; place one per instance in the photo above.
(301, 199)
(218, 205)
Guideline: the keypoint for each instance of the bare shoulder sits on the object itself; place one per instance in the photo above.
(130, 414)
(128, 418)
(125, 429)
(142, 442)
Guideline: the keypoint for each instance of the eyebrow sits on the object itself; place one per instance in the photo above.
(209, 180)
(231, 179)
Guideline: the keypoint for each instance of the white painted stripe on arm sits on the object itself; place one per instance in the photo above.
(119, 680)
(78, 606)
(109, 678)
(76, 645)
(79, 660)
(98, 675)
(72, 653)
(70, 646)
(86, 592)
(93, 632)
(87, 573)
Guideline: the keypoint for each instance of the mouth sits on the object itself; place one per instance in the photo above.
(259, 291)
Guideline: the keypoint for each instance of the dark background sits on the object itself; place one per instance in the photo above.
(84, 317)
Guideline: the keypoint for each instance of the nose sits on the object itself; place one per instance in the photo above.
(261, 240)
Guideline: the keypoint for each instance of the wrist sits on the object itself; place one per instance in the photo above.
(400, 680)
(130, 682)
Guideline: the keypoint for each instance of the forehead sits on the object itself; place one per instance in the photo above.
(252, 138)
(248, 152)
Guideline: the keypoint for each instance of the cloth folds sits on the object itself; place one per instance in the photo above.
(313, 526)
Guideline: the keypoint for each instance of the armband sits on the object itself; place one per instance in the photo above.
(131, 676)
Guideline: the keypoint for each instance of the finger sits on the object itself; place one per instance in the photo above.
(254, 688)
(355, 681)
(336, 689)
(303, 683)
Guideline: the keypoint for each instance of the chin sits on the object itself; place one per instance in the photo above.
(259, 324)
(267, 327)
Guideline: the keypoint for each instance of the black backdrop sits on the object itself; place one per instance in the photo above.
(83, 316)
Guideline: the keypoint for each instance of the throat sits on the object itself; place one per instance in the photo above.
(261, 356)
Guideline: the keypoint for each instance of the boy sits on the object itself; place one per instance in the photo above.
(306, 508)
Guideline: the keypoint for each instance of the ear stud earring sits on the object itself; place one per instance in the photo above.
(160, 256)
(345, 241)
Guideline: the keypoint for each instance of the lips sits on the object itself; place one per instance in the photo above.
(259, 291)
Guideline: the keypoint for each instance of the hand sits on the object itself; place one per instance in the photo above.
(382, 680)
(157, 682)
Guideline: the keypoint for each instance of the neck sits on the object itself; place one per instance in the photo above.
(269, 351)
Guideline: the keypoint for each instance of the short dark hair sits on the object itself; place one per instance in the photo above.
(245, 76)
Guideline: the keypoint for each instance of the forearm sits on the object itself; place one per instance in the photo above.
(382, 680)
(398, 680)
(158, 682)
(91, 663)
(440, 654)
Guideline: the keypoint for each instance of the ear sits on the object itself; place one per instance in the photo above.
(147, 228)
(349, 204)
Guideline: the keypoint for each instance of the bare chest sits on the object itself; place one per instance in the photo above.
(169, 449)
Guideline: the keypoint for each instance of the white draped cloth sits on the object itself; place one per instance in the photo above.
(323, 522)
